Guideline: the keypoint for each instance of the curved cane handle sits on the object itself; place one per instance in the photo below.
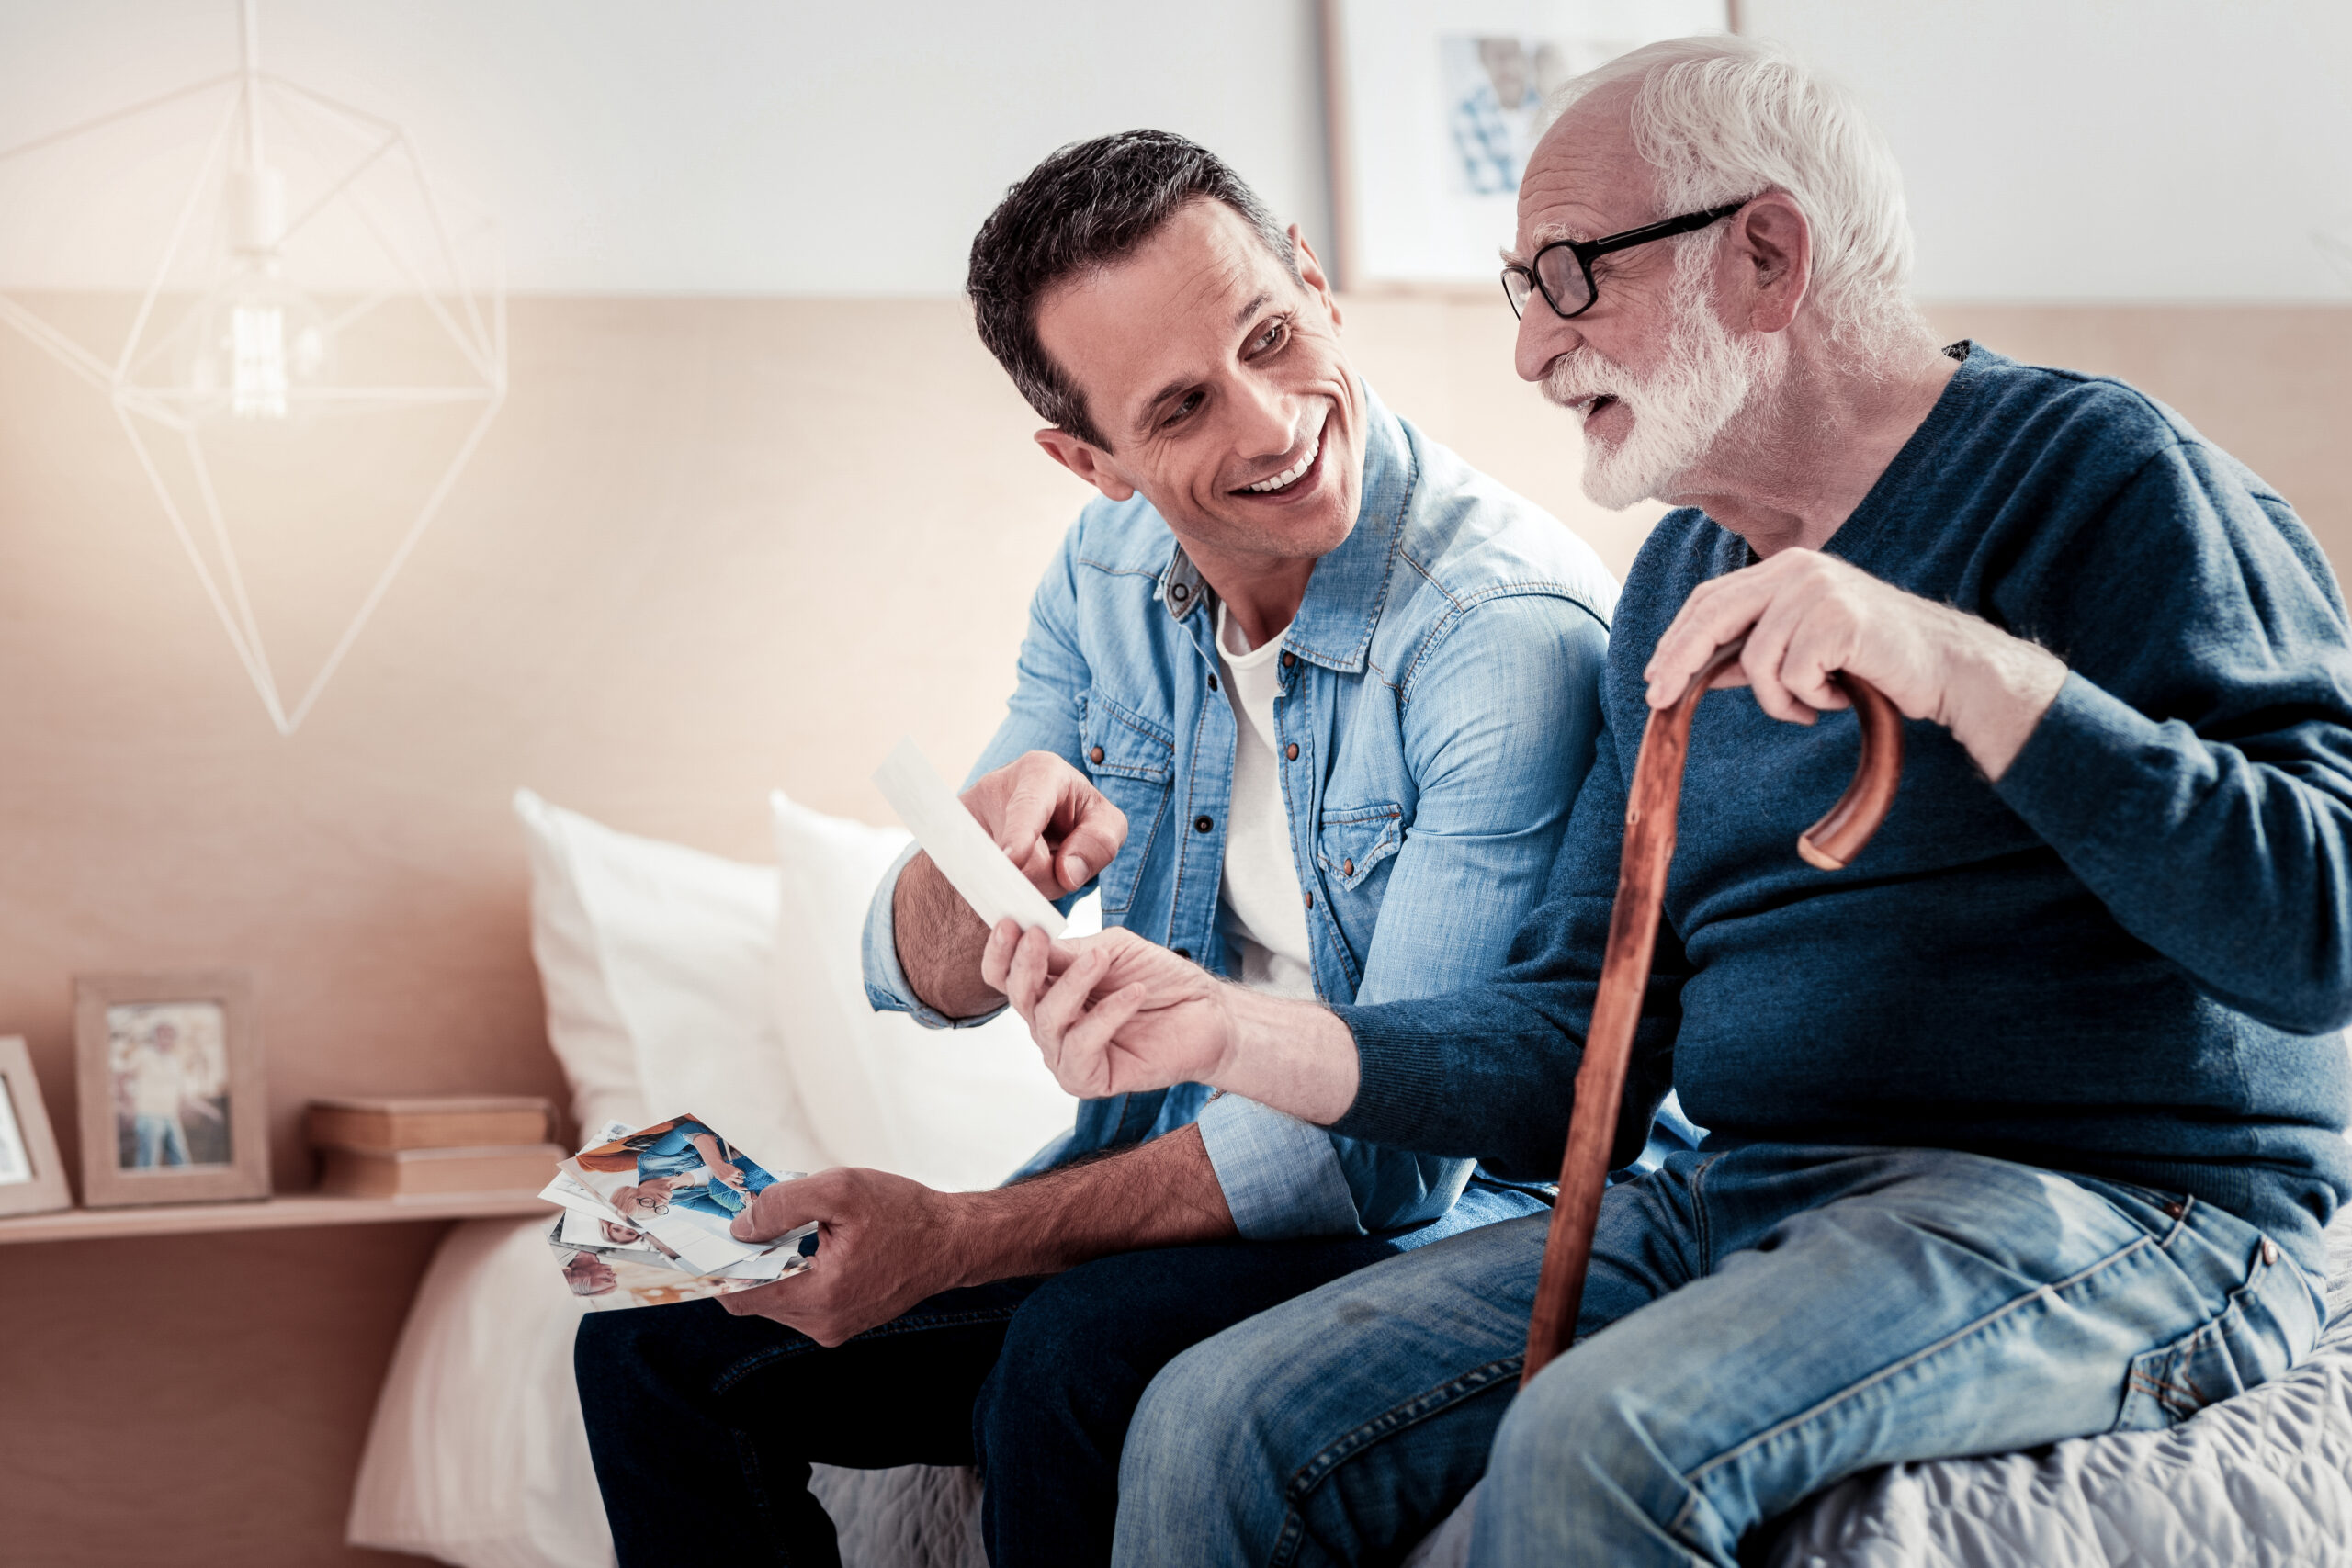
(1834, 842)
(1656, 795)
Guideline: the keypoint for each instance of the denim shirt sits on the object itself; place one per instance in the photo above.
(1440, 691)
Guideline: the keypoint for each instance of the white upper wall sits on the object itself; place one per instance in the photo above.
(2104, 148)
(2055, 149)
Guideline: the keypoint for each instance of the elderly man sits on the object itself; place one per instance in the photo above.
(2024, 1127)
(1306, 700)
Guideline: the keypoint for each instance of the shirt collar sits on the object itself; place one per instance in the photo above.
(1335, 621)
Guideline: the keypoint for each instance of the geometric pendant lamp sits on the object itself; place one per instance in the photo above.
(320, 334)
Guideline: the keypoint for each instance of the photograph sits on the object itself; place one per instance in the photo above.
(1444, 99)
(15, 1163)
(172, 1109)
(682, 1184)
(32, 1180)
(610, 1282)
(169, 1062)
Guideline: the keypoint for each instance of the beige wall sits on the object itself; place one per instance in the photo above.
(710, 547)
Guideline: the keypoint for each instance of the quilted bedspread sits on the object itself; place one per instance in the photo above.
(2264, 1479)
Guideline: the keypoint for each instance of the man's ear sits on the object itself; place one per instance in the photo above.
(1770, 258)
(1086, 460)
(1310, 272)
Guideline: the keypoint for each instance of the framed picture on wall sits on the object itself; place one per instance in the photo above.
(173, 1109)
(32, 1179)
(1434, 105)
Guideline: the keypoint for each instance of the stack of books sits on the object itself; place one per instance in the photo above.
(399, 1148)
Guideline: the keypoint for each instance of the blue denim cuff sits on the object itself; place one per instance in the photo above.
(885, 984)
(1281, 1177)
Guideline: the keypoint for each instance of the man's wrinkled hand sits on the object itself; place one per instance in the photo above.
(1808, 616)
(1114, 1013)
(884, 1244)
(1049, 820)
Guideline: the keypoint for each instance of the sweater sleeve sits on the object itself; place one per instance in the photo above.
(1490, 1072)
(2196, 769)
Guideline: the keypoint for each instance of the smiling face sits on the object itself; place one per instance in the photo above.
(1651, 370)
(1216, 378)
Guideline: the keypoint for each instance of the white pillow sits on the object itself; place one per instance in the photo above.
(589, 1038)
(954, 1108)
(656, 961)
(477, 1455)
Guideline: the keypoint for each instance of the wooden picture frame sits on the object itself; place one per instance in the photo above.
(173, 1107)
(32, 1179)
(1425, 156)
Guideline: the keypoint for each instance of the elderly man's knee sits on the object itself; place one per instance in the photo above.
(1582, 1423)
(1200, 1419)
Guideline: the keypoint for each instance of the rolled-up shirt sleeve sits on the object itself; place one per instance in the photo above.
(885, 982)
(1281, 1177)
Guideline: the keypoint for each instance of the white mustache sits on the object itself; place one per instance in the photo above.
(1570, 379)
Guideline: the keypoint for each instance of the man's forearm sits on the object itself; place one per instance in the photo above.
(1295, 1057)
(1163, 1193)
(1996, 689)
(938, 940)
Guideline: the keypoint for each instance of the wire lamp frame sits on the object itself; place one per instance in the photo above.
(222, 336)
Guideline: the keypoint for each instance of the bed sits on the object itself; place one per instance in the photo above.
(476, 1456)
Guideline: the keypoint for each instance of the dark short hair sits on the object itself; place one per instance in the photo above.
(1089, 205)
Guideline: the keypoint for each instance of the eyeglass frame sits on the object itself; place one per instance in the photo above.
(1588, 251)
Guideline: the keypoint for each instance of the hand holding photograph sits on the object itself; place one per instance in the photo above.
(646, 1217)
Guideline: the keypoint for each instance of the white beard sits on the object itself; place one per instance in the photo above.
(1680, 408)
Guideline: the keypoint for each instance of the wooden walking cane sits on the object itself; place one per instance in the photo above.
(1829, 843)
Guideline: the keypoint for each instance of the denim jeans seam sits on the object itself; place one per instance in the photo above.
(2040, 1293)
(2164, 1390)
(759, 1361)
(1320, 1465)
(747, 1460)
(1703, 1253)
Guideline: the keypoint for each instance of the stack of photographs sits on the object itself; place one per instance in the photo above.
(647, 1214)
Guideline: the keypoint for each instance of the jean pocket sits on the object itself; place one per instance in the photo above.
(2269, 1323)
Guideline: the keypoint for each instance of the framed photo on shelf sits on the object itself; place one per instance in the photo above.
(1434, 105)
(32, 1181)
(173, 1109)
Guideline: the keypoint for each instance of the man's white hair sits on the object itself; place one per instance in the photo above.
(1719, 118)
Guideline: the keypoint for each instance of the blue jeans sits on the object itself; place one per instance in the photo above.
(161, 1136)
(703, 1425)
(1758, 1323)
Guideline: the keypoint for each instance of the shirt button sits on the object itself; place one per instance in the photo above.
(1347, 868)
(1212, 683)
(1290, 751)
(2176, 1209)
(1095, 755)
(1311, 900)
(2269, 1250)
(1289, 658)
(1179, 593)
(1203, 824)
(1185, 954)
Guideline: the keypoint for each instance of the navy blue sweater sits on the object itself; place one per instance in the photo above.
(2128, 958)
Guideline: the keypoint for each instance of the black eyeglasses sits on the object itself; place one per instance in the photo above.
(1563, 269)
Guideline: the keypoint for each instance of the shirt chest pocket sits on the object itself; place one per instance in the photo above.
(1354, 843)
(1132, 761)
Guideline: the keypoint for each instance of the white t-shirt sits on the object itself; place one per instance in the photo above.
(1260, 903)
